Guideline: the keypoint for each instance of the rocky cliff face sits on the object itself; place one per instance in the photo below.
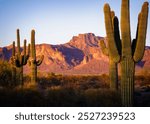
(81, 55)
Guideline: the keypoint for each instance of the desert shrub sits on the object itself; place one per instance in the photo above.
(54, 80)
(5, 74)
(51, 80)
(21, 98)
(30, 98)
(142, 80)
(104, 80)
(69, 81)
(102, 98)
(62, 98)
(26, 79)
(82, 82)
(68, 97)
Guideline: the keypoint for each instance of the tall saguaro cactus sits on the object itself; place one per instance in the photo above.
(128, 53)
(18, 60)
(33, 62)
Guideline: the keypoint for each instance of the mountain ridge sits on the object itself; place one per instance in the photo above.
(81, 55)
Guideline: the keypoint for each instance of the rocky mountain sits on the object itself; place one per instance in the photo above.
(81, 55)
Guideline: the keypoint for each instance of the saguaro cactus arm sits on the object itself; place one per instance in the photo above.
(112, 14)
(12, 59)
(103, 47)
(141, 33)
(113, 52)
(18, 42)
(13, 49)
(39, 62)
(29, 49)
(25, 53)
(33, 51)
(21, 60)
(134, 41)
(24, 49)
(117, 34)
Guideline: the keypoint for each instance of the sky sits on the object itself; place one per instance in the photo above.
(56, 21)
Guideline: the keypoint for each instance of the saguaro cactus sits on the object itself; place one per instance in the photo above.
(18, 60)
(12, 64)
(128, 53)
(33, 62)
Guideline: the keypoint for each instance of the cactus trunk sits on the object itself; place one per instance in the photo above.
(12, 65)
(19, 69)
(125, 28)
(33, 74)
(13, 75)
(127, 63)
(33, 57)
(20, 72)
(113, 74)
(127, 82)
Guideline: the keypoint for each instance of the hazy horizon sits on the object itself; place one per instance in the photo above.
(56, 21)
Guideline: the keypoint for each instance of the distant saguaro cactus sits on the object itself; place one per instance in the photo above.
(12, 60)
(128, 53)
(18, 60)
(33, 62)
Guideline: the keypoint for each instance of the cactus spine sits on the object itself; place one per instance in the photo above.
(18, 60)
(129, 53)
(33, 61)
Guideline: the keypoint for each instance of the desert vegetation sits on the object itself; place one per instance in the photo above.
(67, 90)
(56, 90)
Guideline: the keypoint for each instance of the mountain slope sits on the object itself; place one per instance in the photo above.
(81, 55)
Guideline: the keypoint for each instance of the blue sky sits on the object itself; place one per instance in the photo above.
(56, 21)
